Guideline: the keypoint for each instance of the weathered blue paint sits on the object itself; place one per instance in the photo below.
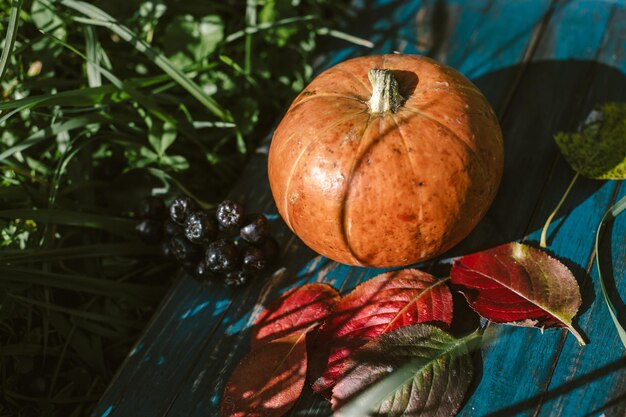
(542, 64)
(107, 411)
(193, 311)
(136, 349)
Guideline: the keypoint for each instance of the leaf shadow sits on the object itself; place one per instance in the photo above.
(535, 175)
(619, 400)
(562, 390)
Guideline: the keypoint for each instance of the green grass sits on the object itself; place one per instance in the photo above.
(109, 99)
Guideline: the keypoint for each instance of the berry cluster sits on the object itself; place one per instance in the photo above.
(227, 244)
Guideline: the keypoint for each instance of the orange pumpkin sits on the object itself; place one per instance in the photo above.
(386, 160)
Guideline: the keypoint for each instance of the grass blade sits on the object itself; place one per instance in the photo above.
(82, 284)
(114, 225)
(250, 21)
(92, 49)
(345, 37)
(80, 313)
(142, 99)
(82, 97)
(100, 18)
(50, 131)
(611, 213)
(265, 26)
(9, 41)
(129, 249)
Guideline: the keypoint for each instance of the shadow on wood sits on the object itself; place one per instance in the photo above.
(545, 94)
(561, 390)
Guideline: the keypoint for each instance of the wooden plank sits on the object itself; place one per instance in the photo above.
(553, 95)
(594, 378)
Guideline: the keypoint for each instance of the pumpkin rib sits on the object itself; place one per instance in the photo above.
(406, 147)
(367, 88)
(443, 125)
(296, 162)
(412, 164)
(295, 134)
(481, 164)
(344, 199)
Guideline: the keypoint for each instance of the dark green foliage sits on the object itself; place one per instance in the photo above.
(169, 99)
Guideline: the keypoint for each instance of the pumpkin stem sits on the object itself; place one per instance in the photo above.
(385, 95)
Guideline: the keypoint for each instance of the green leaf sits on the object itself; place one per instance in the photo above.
(598, 149)
(45, 19)
(9, 41)
(161, 136)
(413, 370)
(610, 214)
(268, 12)
(188, 40)
(175, 162)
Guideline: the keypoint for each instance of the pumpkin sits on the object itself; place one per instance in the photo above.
(386, 160)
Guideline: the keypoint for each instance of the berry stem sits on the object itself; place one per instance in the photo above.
(385, 95)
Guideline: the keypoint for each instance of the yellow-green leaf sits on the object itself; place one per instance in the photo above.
(598, 149)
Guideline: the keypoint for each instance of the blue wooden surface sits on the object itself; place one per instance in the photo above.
(543, 65)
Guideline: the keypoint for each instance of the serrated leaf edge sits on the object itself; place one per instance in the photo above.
(462, 342)
(566, 323)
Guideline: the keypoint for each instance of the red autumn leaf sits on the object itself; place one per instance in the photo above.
(388, 301)
(294, 311)
(268, 381)
(517, 284)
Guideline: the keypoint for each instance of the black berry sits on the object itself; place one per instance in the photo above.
(181, 208)
(256, 229)
(200, 227)
(254, 259)
(151, 208)
(149, 230)
(183, 249)
(202, 272)
(222, 256)
(229, 214)
(238, 278)
(166, 250)
(170, 228)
